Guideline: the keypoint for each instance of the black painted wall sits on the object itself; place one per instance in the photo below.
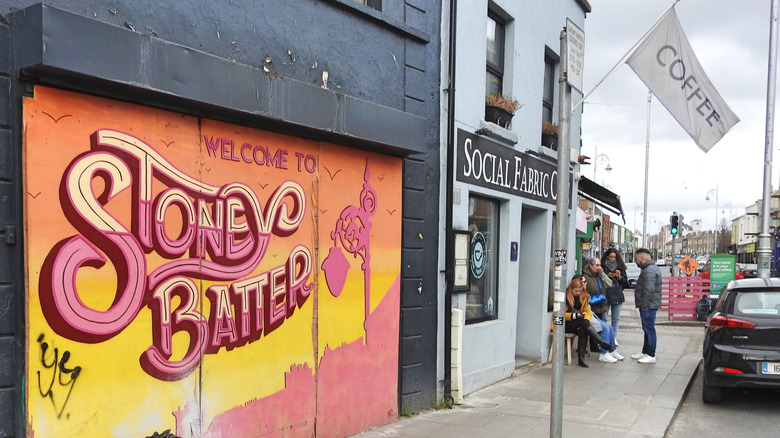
(389, 58)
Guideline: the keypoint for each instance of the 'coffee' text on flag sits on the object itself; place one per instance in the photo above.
(667, 65)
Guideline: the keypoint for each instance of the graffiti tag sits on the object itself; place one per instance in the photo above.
(61, 375)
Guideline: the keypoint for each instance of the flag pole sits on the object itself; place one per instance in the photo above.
(623, 59)
(647, 171)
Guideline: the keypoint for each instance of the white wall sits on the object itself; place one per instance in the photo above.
(489, 348)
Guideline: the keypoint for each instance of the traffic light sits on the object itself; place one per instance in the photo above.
(675, 220)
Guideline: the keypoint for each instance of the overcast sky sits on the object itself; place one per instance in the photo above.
(731, 40)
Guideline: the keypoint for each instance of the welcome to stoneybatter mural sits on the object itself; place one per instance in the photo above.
(204, 278)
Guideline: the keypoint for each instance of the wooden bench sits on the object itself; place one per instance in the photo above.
(570, 337)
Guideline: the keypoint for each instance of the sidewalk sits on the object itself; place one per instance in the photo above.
(623, 399)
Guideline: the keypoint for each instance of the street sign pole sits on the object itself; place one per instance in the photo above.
(568, 63)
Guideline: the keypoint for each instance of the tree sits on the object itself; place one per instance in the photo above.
(724, 235)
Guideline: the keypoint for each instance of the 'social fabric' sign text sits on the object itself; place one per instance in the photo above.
(487, 164)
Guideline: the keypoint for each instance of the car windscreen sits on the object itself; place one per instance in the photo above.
(765, 303)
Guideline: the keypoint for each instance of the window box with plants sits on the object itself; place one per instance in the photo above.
(500, 109)
(549, 135)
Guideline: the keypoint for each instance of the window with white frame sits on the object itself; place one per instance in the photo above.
(496, 32)
(376, 4)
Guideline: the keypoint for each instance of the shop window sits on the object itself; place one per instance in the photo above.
(496, 30)
(376, 4)
(482, 298)
(548, 88)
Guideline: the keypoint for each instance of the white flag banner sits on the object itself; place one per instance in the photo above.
(667, 65)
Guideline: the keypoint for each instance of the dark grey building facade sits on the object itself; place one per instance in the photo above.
(365, 77)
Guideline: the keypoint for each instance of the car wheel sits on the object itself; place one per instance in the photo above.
(712, 394)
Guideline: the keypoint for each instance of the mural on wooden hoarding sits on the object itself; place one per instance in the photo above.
(204, 278)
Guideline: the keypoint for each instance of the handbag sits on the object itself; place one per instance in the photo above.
(597, 299)
(598, 302)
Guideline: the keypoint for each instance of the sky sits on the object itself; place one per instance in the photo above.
(731, 40)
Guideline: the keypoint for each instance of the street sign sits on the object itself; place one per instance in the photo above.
(688, 265)
(575, 42)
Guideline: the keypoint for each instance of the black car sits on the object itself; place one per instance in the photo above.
(742, 338)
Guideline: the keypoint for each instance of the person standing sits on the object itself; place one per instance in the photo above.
(597, 283)
(648, 301)
(615, 268)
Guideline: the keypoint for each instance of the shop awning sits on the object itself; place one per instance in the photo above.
(600, 195)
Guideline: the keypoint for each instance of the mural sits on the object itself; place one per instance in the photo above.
(194, 278)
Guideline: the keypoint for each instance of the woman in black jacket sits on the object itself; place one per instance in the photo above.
(615, 268)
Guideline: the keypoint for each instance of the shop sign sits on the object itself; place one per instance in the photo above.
(488, 164)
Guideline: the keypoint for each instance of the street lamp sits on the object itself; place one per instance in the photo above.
(600, 159)
(723, 209)
(641, 213)
(707, 198)
(654, 243)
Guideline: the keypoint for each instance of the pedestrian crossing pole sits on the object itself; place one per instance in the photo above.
(561, 243)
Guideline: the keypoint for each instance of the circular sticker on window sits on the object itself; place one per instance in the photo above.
(478, 255)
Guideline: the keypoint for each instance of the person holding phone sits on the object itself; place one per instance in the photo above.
(578, 316)
(615, 268)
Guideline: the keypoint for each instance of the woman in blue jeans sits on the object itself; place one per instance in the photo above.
(615, 268)
(612, 355)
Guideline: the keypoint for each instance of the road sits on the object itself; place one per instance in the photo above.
(744, 413)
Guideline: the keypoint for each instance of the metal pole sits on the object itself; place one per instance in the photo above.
(674, 267)
(717, 227)
(561, 244)
(647, 160)
(764, 251)
(623, 59)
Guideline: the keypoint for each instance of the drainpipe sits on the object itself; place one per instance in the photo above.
(448, 250)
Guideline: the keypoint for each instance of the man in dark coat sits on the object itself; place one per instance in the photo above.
(648, 300)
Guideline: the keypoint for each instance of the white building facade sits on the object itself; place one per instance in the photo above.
(501, 192)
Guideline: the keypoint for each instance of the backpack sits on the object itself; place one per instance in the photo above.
(703, 308)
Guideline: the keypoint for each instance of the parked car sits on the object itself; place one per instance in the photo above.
(661, 262)
(702, 259)
(632, 272)
(742, 339)
(746, 270)
(704, 271)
